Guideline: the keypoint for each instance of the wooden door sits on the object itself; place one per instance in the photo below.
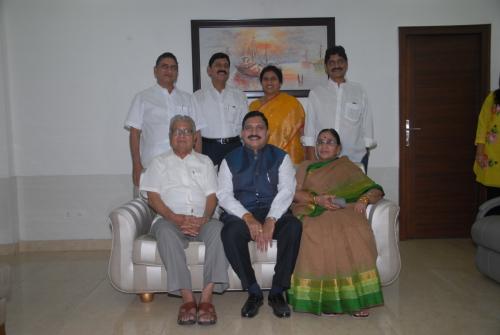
(444, 77)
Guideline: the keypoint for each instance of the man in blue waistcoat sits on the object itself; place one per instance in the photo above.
(256, 188)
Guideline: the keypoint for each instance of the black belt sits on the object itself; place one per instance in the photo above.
(226, 140)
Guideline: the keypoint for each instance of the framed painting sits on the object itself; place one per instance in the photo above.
(295, 45)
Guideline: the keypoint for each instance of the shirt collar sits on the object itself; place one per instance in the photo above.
(214, 90)
(164, 90)
(334, 84)
(189, 156)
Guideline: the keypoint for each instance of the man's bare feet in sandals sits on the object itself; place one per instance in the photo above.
(187, 313)
(206, 314)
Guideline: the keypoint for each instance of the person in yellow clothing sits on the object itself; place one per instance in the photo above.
(487, 163)
(284, 113)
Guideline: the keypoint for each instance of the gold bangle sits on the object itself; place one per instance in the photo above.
(364, 199)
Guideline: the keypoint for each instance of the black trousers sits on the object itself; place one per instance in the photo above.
(217, 151)
(235, 237)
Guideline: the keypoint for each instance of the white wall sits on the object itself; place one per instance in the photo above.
(73, 67)
(8, 195)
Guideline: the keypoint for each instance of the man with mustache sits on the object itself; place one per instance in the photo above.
(150, 113)
(222, 109)
(342, 105)
(256, 187)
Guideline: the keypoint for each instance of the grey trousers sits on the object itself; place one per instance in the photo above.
(171, 243)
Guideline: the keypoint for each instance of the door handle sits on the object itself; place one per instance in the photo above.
(408, 129)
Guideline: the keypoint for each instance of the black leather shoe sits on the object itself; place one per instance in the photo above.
(251, 306)
(279, 305)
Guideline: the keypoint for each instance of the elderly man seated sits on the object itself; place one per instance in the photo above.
(181, 186)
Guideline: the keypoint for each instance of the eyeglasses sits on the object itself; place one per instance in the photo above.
(169, 67)
(327, 142)
(182, 132)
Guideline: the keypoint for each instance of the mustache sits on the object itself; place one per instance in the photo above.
(337, 69)
(222, 71)
(257, 137)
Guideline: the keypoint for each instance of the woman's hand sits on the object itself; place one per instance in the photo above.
(326, 201)
(360, 207)
(361, 204)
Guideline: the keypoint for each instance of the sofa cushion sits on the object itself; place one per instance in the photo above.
(486, 232)
(145, 252)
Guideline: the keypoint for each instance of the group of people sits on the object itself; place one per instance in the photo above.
(277, 174)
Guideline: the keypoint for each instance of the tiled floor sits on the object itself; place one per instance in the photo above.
(439, 291)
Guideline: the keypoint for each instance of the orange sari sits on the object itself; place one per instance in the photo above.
(286, 122)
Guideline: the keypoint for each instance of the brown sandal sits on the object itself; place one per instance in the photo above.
(206, 314)
(186, 309)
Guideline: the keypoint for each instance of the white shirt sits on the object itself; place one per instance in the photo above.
(344, 108)
(183, 184)
(281, 202)
(151, 111)
(222, 113)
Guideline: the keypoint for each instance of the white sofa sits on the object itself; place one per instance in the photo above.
(4, 294)
(486, 234)
(135, 265)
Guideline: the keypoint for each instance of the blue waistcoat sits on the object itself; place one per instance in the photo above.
(255, 176)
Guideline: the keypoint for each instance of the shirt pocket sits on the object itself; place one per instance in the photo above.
(197, 178)
(352, 112)
(230, 112)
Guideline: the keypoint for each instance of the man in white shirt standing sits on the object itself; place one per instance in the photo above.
(181, 186)
(150, 113)
(343, 105)
(256, 188)
(222, 109)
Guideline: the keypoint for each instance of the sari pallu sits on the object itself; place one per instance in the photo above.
(286, 122)
(336, 267)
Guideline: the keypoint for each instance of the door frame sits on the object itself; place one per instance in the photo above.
(405, 182)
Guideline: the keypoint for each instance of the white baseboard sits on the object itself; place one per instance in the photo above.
(55, 245)
(8, 249)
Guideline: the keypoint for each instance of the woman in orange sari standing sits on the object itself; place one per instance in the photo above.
(284, 113)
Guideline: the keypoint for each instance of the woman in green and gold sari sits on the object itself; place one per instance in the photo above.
(336, 267)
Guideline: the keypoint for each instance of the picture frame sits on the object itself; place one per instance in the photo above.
(296, 45)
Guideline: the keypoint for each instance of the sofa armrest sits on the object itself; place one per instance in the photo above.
(487, 206)
(128, 222)
(383, 218)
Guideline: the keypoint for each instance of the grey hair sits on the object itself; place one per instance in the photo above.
(184, 118)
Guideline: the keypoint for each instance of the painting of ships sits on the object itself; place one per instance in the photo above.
(319, 64)
(249, 67)
(248, 64)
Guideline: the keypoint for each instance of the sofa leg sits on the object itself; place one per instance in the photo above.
(2, 329)
(145, 297)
